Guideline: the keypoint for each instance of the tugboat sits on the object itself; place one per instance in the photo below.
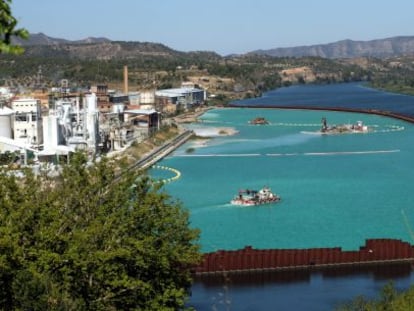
(358, 127)
(259, 121)
(255, 197)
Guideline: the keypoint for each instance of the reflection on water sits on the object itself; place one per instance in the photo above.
(310, 289)
(378, 272)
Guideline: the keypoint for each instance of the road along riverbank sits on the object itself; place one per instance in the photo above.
(157, 154)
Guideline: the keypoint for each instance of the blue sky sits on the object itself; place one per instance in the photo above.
(223, 26)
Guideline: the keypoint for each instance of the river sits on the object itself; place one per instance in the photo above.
(337, 191)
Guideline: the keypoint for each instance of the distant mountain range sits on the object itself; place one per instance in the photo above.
(381, 48)
(42, 39)
(41, 45)
(103, 48)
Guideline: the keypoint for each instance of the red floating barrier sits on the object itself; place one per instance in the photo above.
(375, 250)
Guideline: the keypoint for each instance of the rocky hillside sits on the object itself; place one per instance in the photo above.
(41, 45)
(46, 61)
(42, 39)
(382, 48)
(100, 50)
(103, 48)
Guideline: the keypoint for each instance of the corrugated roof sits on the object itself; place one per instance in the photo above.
(177, 92)
(141, 111)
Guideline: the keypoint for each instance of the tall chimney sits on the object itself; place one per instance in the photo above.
(126, 79)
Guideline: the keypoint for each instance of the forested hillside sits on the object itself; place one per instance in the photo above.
(156, 66)
(380, 48)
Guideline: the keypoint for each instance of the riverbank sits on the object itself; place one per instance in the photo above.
(147, 152)
(191, 116)
(347, 97)
(157, 154)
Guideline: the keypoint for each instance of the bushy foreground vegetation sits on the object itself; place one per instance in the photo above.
(86, 240)
(389, 300)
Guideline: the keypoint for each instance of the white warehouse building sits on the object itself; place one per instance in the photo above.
(27, 127)
(185, 96)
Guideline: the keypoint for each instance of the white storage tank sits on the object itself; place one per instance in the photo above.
(92, 125)
(91, 103)
(6, 118)
(51, 132)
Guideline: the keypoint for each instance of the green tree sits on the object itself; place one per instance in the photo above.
(90, 239)
(389, 300)
(8, 157)
(8, 29)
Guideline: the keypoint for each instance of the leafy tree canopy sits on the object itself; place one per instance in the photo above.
(8, 29)
(389, 300)
(91, 240)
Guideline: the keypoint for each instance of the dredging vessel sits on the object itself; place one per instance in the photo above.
(249, 197)
(259, 121)
(358, 127)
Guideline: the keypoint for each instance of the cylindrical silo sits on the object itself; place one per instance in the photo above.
(91, 102)
(92, 121)
(6, 116)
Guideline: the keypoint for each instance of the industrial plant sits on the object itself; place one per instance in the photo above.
(47, 126)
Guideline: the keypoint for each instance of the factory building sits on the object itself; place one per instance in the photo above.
(148, 119)
(102, 95)
(73, 124)
(134, 99)
(109, 101)
(27, 127)
(168, 100)
(119, 102)
(147, 99)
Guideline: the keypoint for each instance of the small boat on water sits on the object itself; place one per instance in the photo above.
(255, 197)
(259, 121)
(358, 127)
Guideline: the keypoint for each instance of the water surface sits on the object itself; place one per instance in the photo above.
(336, 190)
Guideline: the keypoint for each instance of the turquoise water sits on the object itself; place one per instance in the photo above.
(337, 190)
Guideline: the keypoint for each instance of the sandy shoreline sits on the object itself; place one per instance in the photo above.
(191, 117)
(202, 131)
(207, 132)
